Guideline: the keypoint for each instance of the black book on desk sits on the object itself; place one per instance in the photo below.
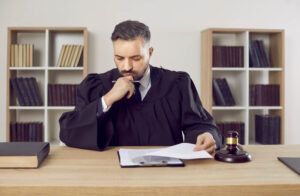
(23, 154)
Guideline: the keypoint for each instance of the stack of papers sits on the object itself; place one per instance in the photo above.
(169, 156)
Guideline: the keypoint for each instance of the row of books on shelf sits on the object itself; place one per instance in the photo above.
(233, 56)
(26, 132)
(69, 55)
(259, 95)
(21, 55)
(28, 94)
(62, 94)
(264, 95)
(224, 127)
(267, 129)
(26, 91)
(228, 56)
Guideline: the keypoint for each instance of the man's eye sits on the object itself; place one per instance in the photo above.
(120, 58)
(137, 58)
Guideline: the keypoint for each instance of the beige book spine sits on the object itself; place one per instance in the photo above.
(16, 55)
(78, 56)
(12, 55)
(28, 55)
(31, 55)
(76, 50)
(24, 55)
(70, 56)
(62, 50)
(65, 58)
(20, 55)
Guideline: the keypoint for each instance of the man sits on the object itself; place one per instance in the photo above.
(137, 104)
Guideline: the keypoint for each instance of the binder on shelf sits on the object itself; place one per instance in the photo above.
(257, 54)
(221, 92)
(27, 91)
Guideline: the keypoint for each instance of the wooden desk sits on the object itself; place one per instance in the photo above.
(70, 171)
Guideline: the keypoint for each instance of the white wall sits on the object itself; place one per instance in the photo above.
(175, 27)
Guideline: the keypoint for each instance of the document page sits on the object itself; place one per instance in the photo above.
(181, 151)
(170, 155)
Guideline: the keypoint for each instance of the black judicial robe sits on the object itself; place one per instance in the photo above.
(172, 105)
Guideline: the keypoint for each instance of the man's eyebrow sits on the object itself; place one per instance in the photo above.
(135, 56)
(129, 57)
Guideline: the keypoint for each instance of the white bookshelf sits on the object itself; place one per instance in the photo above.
(47, 46)
(240, 78)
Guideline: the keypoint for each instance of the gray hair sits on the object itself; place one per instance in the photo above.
(130, 30)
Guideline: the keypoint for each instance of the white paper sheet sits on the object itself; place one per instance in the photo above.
(170, 155)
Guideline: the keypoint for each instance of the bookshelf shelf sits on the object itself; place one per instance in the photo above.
(65, 68)
(28, 68)
(240, 77)
(265, 69)
(47, 45)
(265, 108)
(26, 108)
(228, 69)
(60, 107)
(228, 108)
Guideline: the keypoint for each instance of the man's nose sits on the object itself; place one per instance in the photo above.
(127, 65)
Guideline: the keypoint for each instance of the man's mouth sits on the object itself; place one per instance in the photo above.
(128, 74)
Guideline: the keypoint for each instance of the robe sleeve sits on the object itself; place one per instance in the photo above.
(195, 120)
(79, 128)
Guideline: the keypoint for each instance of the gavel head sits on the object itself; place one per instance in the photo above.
(232, 153)
(232, 141)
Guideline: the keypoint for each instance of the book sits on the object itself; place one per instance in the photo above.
(258, 55)
(16, 89)
(219, 99)
(23, 154)
(221, 93)
(228, 56)
(61, 94)
(267, 129)
(264, 95)
(169, 156)
(26, 132)
(62, 51)
(291, 162)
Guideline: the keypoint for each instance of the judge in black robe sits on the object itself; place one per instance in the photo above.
(171, 106)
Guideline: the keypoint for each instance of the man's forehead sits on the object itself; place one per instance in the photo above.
(128, 47)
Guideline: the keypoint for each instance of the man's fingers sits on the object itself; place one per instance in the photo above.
(204, 142)
(130, 78)
(202, 146)
(131, 90)
(211, 149)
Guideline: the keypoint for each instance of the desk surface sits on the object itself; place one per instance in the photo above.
(69, 170)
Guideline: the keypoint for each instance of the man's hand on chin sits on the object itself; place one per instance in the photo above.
(206, 142)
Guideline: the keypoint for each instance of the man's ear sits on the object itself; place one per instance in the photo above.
(150, 51)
